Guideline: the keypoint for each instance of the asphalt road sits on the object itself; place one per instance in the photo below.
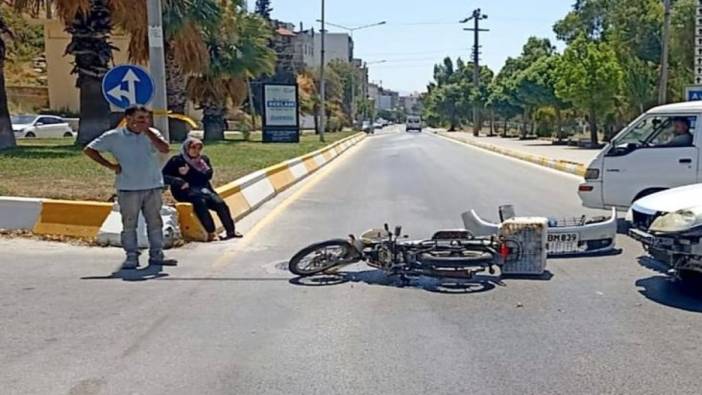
(228, 320)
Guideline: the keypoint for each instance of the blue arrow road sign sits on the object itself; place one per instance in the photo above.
(127, 85)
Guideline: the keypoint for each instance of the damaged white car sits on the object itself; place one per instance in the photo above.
(669, 225)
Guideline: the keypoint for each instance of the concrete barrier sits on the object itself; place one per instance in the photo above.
(577, 169)
(71, 218)
(19, 213)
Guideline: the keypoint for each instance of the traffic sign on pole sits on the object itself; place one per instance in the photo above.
(127, 85)
(693, 92)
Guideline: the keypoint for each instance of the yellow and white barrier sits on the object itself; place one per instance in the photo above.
(577, 169)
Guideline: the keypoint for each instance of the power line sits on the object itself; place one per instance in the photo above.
(416, 52)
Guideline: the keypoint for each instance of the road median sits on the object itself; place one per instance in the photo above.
(84, 219)
(565, 166)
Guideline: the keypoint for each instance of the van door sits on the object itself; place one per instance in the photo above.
(654, 154)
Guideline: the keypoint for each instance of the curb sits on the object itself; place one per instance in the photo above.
(574, 168)
(84, 219)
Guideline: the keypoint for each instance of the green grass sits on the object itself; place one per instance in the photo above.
(54, 168)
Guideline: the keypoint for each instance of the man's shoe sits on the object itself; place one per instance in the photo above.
(229, 236)
(163, 262)
(130, 265)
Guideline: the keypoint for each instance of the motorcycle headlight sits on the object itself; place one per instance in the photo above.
(678, 221)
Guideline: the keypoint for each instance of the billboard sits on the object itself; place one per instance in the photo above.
(281, 123)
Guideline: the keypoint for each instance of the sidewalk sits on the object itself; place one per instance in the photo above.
(560, 157)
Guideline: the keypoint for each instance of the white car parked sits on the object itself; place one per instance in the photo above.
(41, 126)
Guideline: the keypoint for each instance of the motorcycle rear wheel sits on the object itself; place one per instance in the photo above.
(320, 257)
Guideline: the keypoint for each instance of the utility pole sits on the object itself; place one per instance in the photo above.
(476, 17)
(663, 83)
(157, 67)
(322, 85)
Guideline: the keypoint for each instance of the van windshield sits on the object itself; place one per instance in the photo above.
(658, 130)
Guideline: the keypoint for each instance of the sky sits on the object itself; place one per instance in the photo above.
(419, 34)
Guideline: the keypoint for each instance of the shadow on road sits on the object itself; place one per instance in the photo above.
(151, 272)
(580, 255)
(668, 291)
(478, 284)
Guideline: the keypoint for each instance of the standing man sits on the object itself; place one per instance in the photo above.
(139, 182)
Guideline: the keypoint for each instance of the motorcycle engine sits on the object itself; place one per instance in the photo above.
(381, 257)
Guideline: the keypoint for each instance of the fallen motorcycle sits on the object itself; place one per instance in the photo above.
(519, 248)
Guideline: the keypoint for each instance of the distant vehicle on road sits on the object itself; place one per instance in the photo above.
(659, 150)
(378, 125)
(42, 126)
(413, 123)
(367, 127)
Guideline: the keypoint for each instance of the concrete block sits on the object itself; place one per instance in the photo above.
(18, 213)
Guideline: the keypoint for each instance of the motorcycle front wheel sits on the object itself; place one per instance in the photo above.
(320, 257)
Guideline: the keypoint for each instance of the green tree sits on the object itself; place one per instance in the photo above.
(350, 77)
(238, 50)
(185, 25)
(264, 9)
(589, 77)
(588, 17)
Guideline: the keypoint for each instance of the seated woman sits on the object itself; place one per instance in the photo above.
(189, 175)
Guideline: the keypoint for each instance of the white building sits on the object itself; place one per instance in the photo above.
(338, 46)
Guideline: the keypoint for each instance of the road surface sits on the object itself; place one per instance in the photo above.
(230, 320)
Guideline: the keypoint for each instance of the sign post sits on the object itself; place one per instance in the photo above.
(281, 121)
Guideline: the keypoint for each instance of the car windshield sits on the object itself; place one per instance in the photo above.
(22, 119)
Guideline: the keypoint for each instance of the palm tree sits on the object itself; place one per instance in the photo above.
(185, 25)
(90, 24)
(238, 50)
(7, 137)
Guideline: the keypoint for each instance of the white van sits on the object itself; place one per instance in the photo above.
(650, 155)
(413, 123)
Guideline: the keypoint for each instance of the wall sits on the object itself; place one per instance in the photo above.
(63, 93)
(337, 46)
(27, 98)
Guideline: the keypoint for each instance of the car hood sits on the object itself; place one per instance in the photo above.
(20, 126)
(670, 200)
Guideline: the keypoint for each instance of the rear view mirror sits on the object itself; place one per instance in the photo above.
(39, 123)
(398, 231)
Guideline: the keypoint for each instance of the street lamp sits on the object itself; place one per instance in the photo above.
(351, 30)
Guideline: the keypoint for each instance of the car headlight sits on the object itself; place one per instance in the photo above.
(678, 221)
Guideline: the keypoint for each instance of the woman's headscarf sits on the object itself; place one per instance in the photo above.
(198, 163)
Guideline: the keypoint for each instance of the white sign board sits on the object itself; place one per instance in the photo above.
(280, 107)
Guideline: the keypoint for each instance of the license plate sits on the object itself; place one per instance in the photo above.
(560, 243)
